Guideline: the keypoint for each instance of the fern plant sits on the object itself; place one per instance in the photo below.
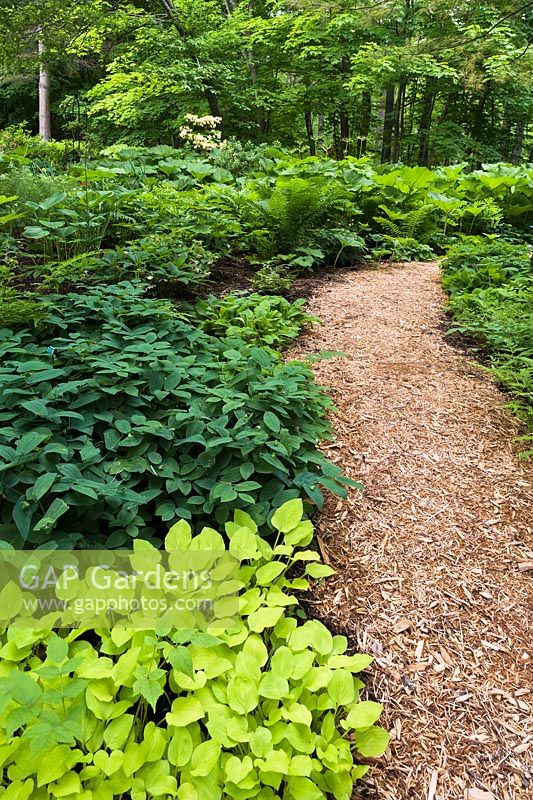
(296, 207)
(411, 224)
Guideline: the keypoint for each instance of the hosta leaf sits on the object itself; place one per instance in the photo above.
(373, 742)
(181, 748)
(184, 711)
(243, 694)
(363, 714)
(204, 758)
(288, 516)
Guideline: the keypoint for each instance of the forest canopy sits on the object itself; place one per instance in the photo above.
(419, 81)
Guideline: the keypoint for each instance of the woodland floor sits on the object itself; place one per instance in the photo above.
(435, 557)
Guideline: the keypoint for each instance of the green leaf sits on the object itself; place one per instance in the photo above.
(56, 510)
(243, 694)
(57, 650)
(10, 601)
(36, 407)
(30, 441)
(134, 758)
(42, 485)
(181, 659)
(264, 618)
(269, 572)
(363, 714)
(341, 688)
(261, 742)
(319, 571)
(304, 789)
(204, 758)
(149, 686)
(35, 232)
(117, 731)
(181, 748)
(24, 689)
(243, 544)
(373, 742)
(184, 711)
(288, 516)
(55, 762)
(271, 421)
(274, 686)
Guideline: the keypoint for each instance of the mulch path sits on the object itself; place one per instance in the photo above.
(435, 558)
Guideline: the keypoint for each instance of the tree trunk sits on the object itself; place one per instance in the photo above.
(345, 133)
(320, 131)
(411, 121)
(364, 130)
(310, 133)
(518, 142)
(343, 115)
(398, 121)
(388, 123)
(45, 122)
(506, 132)
(477, 119)
(425, 122)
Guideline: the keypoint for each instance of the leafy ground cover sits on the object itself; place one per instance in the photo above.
(490, 282)
(117, 416)
(268, 708)
(135, 391)
(167, 216)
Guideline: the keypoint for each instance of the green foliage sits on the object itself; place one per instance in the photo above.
(491, 289)
(400, 249)
(405, 225)
(273, 279)
(15, 308)
(30, 184)
(162, 260)
(477, 262)
(295, 208)
(266, 321)
(68, 224)
(272, 705)
(127, 416)
(18, 142)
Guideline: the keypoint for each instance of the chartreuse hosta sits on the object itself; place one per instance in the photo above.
(269, 708)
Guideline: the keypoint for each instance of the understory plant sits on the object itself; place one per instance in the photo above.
(265, 321)
(479, 262)
(162, 260)
(491, 288)
(267, 707)
(400, 249)
(273, 279)
(116, 416)
(16, 308)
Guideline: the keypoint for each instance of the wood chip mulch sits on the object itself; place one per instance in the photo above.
(435, 558)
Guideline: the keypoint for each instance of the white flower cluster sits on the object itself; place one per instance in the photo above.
(209, 139)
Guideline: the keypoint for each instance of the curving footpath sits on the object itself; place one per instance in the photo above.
(435, 557)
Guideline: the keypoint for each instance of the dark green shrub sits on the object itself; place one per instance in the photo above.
(501, 319)
(115, 416)
(491, 289)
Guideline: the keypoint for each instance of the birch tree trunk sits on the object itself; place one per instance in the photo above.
(45, 123)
